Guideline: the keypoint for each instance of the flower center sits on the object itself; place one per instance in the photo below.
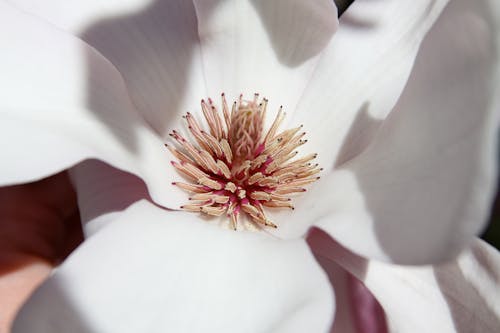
(234, 168)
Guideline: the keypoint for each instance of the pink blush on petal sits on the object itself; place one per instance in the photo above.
(357, 310)
(368, 315)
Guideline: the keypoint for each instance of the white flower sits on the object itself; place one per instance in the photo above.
(407, 139)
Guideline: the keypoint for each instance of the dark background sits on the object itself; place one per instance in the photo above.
(492, 233)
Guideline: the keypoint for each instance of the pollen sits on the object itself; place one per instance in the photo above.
(233, 167)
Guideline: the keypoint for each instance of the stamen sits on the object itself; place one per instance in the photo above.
(236, 167)
(230, 187)
(190, 187)
(226, 148)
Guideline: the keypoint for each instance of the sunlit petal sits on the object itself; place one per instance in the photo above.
(153, 44)
(425, 184)
(266, 47)
(356, 83)
(157, 271)
(79, 107)
(459, 296)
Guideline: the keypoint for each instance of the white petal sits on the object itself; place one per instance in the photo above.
(266, 47)
(79, 15)
(153, 44)
(62, 102)
(362, 73)
(157, 271)
(459, 296)
(423, 188)
(356, 83)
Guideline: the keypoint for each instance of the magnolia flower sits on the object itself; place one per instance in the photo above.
(399, 102)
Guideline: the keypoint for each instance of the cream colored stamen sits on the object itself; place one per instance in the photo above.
(237, 168)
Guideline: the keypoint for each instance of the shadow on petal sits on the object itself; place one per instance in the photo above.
(468, 308)
(103, 190)
(425, 175)
(293, 44)
(362, 131)
(153, 51)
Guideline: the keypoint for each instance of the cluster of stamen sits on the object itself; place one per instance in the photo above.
(234, 168)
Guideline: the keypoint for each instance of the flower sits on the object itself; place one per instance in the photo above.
(407, 140)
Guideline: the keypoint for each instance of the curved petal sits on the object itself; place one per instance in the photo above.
(153, 44)
(47, 119)
(459, 296)
(266, 47)
(357, 311)
(361, 73)
(157, 271)
(423, 187)
(103, 192)
(356, 83)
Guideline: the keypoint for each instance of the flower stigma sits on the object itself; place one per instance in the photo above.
(235, 168)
